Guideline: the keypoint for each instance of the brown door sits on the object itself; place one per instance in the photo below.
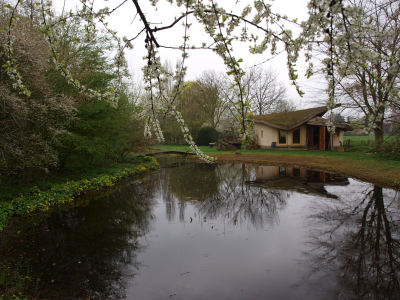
(322, 138)
(322, 176)
(309, 137)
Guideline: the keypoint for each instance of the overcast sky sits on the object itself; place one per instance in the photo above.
(123, 20)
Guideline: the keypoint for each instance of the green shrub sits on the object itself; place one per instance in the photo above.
(206, 135)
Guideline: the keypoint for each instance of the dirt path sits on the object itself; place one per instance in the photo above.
(370, 171)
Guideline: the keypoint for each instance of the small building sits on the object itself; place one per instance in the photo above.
(301, 129)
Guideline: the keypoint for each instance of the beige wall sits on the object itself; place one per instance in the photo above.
(337, 136)
(270, 135)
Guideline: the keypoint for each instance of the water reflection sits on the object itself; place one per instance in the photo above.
(356, 243)
(219, 192)
(299, 180)
(222, 231)
(85, 252)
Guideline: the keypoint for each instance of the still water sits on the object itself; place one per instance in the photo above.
(222, 231)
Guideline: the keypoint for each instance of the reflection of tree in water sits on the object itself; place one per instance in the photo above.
(87, 252)
(220, 192)
(194, 180)
(240, 203)
(189, 181)
(359, 241)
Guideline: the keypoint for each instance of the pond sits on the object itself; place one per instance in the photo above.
(221, 231)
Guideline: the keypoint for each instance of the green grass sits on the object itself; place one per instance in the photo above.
(214, 151)
(359, 138)
(365, 138)
(362, 143)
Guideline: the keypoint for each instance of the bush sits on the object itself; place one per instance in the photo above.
(206, 135)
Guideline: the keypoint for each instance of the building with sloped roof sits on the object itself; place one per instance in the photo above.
(301, 129)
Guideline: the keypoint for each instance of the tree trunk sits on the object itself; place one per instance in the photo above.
(378, 131)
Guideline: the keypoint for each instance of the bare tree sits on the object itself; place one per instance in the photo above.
(283, 105)
(208, 92)
(265, 92)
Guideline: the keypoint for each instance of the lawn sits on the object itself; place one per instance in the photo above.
(214, 151)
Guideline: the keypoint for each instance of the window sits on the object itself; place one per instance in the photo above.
(262, 134)
(282, 137)
(296, 136)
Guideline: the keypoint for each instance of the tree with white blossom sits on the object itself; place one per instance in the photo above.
(32, 115)
(361, 46)
(339, 25)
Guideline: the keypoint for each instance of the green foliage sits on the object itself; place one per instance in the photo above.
(206, 135)
(101, 132)
(98, 132)
(89, 60)
(57, 126)
(13, 284)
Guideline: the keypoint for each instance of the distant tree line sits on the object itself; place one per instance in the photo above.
(209, 100)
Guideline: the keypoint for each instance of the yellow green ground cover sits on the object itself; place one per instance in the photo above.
(37, 198)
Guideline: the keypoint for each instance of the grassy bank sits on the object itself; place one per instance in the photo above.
(364, 166)
(64, 188)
